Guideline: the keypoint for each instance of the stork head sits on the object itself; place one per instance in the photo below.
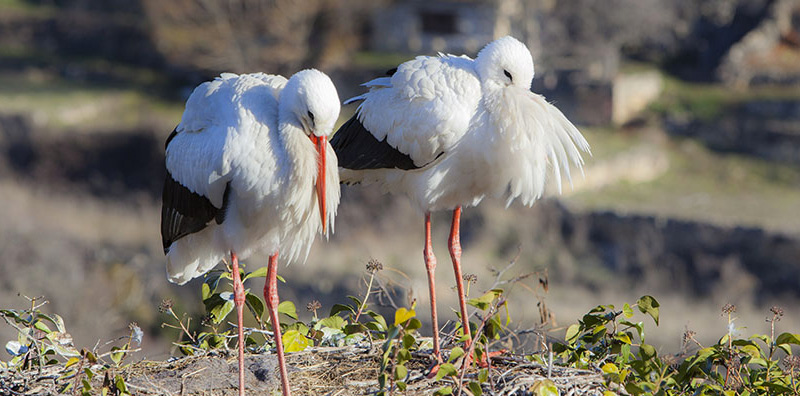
(311, 98)
(505, 62)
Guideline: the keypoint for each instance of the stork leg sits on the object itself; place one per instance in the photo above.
(430, 266)
(271, 297)
(238, 299)
(454, 243)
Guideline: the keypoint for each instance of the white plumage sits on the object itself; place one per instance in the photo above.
(247, 171)
(249, 131)
(448, 131)
(495, 136)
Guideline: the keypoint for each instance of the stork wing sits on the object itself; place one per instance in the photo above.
(203, 151)
(412, 117)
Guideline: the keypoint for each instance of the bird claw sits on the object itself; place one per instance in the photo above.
(484, 361)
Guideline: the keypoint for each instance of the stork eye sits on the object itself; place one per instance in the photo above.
(508, 75)
(311, 115)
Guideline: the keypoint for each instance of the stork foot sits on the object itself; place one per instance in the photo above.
(433, 368)
(484, 361)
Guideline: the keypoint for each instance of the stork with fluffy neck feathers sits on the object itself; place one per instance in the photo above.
(247, 171)
(448, 131)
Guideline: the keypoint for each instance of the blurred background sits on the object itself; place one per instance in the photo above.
(692, 194)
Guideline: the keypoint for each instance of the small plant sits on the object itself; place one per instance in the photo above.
(490, 328)
(400, 339)
(43, 341)
(608, 338)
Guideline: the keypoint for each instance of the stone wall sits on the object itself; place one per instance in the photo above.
(632, 93)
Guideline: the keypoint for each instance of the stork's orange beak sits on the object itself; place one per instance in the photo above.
(321, 143)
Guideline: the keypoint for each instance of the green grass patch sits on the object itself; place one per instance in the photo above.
(709, 101)
(56, 103)
(379, 60)
(26, 8)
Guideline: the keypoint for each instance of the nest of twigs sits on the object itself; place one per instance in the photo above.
(350, 370)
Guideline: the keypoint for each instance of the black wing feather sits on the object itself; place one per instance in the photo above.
(356, 148)
(184, 212)
(170, 137)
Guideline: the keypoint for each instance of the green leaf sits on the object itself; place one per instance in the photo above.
(633, 389)
(572, 333)
(456, 353)
(259, 273)
(255, 304)
(42, 326)
(119, 382)
(446, 369)
(352, 329)
(649, 305)
(764, 338)
(117, 356)
(485, 301)
(382, 382)
(336, 308)
(622, 337)
(402, 315)
(333, 322)
(218, 307)
(647, 351)
(627, 310)
(379, 320)
(401, 385)
(788, 338)
(610, 368)
(393, 332)
(483, 375)
(446, 390)
(205, 291)
(299, 326)
(356, 302)
(408, 341)
(212, 280)
(475, 388)
(638, 326)
(400, 372)
(287, 308)
(294, 341)
(413, 324)
(544, 387)
(71, 361)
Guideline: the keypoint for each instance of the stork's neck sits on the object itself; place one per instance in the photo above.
(494, 103)
(298, 156)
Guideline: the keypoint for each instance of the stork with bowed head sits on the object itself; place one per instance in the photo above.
(448, 131)
(247, 170)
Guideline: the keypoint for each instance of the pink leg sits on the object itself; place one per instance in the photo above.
(430, 265)
(271, 297)
(238, 299)
(455, 253)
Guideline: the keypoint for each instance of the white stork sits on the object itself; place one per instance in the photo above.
(448, 131)
(247, 170)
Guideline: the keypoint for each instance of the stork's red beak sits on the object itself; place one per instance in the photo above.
(321, 143)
